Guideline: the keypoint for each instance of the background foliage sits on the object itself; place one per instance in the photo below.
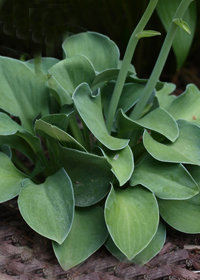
(29, 26)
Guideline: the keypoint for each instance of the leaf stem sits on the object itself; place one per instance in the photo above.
(76, 130)
(126, 63)
(136, 113)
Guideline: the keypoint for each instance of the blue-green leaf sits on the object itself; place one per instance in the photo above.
(186, 106)
(88, 233)
(186, 149)
(158, 120)
(165, 180)
(145, 255)
(90, 110)
(22, 94)
(71, 72)
(130, 214)
(182, 215)
(10, 179)
(46, 129)
(90, 174)
(48, 208)
(165, 96)
(99, 49)
(122, 163)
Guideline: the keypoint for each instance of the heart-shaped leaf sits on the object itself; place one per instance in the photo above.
(186, 106)
(165, 180)
(90, 110)
(10, 179)
(48, 208)
(99, 49)
(21, 93)
(158, 120)
(122, 163)
(182, 215)
(88, 233)
(186, 149)
(145, 255)
(130, 214)
(90, 174)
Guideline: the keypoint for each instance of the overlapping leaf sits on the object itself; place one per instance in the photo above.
(122, 163)
(71, 72)
(186, 149)
(99, 49)
(182, 215)
(130, 214)
(21, 94)
(158, 120)
(165, 96)
(165, 180)
(46, 129)
(145, 255)
(90, 174)
(88, 233)
(48, 208)
(10, 179)
(90, 110)
(186, 106)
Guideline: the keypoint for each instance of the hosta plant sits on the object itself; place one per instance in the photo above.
(95, 154)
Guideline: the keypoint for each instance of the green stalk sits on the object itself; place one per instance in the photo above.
(126, 63)
(76, 130)
(136, 113)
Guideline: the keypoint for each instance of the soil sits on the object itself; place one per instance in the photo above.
(25, 255)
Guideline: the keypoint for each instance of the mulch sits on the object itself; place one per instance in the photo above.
(25, 255)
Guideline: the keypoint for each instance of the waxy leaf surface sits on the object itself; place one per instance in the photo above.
(130, 214)
(10, 179)
(186, 106)
(73, 71)
(165, 98)
(21, 93)
(46, 129)
(145, 255)
(8, 126)
(48, 208)
(130, 95)
(182, 215)
(122, 163)
(99, 49)
(158, 120)
(90, 174)
(186, 149)
(90, 110)
(14, 135)
(165, 180)
(88, 233)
